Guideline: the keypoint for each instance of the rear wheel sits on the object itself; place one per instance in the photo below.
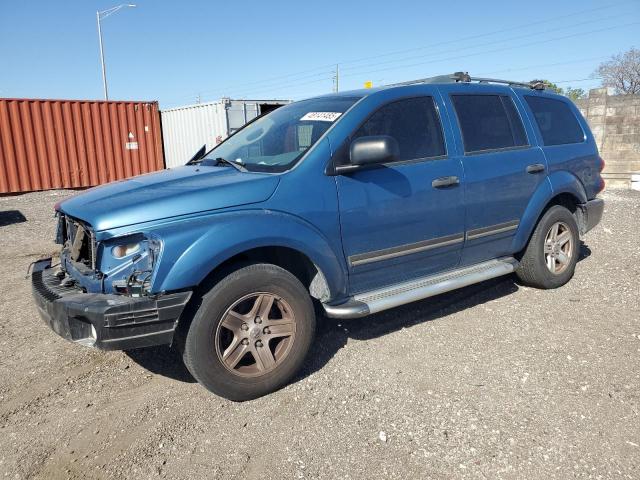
(550, 258)
(251, 333)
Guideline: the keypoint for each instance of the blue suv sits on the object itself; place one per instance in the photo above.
(354, 202)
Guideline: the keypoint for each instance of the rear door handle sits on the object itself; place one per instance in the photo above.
(535, 168)
(444, 182)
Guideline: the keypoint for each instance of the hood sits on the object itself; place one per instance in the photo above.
(168, 193)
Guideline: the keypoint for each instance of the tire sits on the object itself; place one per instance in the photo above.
(545, 263)
(250, 333)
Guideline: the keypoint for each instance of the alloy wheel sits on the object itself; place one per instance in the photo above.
(256, 334)
(558, 248)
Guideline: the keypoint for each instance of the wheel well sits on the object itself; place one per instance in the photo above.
(295, 262)
(571, 203)
(567, 200)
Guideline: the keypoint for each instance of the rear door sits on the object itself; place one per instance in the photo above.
(565, 138)
(502, 169)
(397, 224)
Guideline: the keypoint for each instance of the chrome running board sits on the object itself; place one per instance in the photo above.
(375, 301)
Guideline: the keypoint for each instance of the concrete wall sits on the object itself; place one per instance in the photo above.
(615, 123)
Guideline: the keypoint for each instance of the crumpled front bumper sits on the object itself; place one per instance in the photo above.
(108, 322)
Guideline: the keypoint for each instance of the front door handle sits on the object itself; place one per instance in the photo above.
(535, 168)
(444, 182)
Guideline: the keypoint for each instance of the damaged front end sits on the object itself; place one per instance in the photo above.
(122, 266)
(101, 292)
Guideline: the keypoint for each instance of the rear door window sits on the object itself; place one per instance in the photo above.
(488, 122)
(413, 122)
(557, 123)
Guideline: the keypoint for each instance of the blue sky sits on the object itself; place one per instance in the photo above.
(175, 51)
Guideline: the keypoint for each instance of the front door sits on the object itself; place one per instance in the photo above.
(404, 219)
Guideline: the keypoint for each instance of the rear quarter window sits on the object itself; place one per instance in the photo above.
(556, 121)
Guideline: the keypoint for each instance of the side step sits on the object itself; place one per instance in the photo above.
(375, 301)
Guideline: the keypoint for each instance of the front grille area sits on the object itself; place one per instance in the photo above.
(78, 238)
(135, 317)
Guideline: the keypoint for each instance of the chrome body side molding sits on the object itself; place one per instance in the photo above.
(492, 229)
(392, 296)
(408, 249)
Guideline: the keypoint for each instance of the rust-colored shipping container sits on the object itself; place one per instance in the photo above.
(47, 144)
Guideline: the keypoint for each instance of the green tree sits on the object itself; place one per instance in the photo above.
(575, 93)
(552, 86)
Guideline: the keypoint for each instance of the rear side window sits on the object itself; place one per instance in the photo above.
(557, 123)
(413, 122)
(488, 122)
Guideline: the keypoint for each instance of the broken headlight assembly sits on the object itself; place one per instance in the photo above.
(128, 264)
(121, 251)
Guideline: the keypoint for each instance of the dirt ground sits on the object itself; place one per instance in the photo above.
(493, 381)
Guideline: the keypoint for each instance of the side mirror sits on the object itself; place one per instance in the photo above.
(374, 149)
(199, 154)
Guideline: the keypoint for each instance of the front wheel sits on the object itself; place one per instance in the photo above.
(550, 258)
(251, 333)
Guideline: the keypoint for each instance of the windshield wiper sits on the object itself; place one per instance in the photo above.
(237, 165)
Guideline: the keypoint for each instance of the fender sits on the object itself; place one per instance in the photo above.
(193, 248)
(557, 182)
(563, 181)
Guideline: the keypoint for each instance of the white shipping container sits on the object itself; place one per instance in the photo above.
(186, 129)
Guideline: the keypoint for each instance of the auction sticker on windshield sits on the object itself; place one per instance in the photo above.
(321, 116)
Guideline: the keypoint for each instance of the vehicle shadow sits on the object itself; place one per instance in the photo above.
(585, 252)
(9, 217)
(162, 360)
(333, 334)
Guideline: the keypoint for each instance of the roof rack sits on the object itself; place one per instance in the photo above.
(464, 77)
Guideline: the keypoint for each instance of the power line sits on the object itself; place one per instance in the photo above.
(282, 87)
(223, 90)
(495, 32)
(578, 80)
(531, 67)
(503, 49)
(254, 93)
(534, 34)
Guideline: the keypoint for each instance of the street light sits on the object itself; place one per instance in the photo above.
(100, 15)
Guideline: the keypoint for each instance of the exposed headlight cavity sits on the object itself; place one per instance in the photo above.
(120, 251)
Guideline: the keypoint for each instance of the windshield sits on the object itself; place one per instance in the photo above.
(275, 142)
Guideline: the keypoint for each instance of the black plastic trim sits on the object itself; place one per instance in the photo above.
(109, 322)
(592, 211)
(393, 252)
(492, 229)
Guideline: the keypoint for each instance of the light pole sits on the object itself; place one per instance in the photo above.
(99, 16)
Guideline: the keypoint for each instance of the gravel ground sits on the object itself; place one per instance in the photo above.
(493, 381)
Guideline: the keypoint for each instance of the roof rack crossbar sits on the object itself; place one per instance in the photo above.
(466, 78)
